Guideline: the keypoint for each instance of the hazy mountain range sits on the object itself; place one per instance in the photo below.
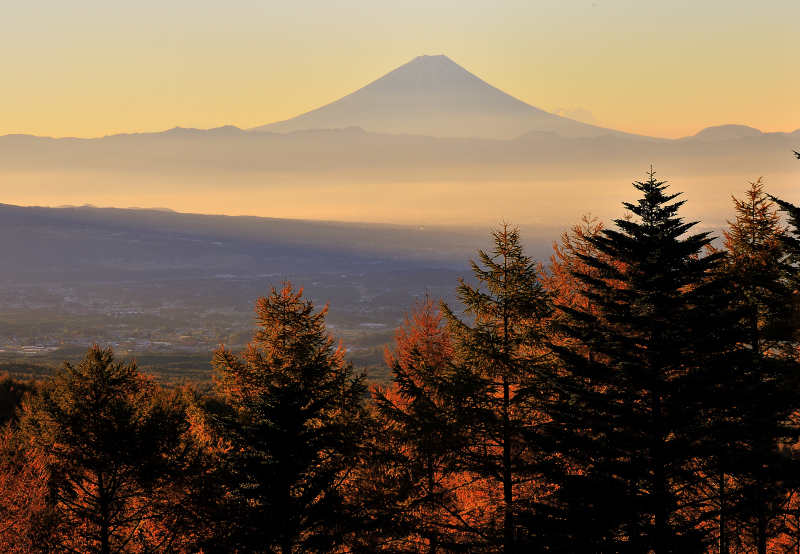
(428, 143)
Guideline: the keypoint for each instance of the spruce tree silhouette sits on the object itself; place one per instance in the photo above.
(630, 413)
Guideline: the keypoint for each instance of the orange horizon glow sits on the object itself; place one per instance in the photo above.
(91, 69)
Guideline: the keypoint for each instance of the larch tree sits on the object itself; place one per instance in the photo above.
(418, 432)
(296, 432)
(765, 380)
(630, 416)
(116, 450)
(566, 262)
(501, 368)
(23, 498)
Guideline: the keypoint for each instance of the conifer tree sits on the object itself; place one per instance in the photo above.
(560, 278)
(419, 429)
(501, 368)
(791, 245)
(296, 431)
(23, 497)
(630, 414)
(116, 449)
(765, 377)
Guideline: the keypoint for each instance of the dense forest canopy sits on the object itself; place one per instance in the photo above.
(638, 394)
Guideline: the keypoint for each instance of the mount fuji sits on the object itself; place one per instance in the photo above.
(434, 96)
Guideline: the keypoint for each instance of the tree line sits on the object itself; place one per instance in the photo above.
(639, 394)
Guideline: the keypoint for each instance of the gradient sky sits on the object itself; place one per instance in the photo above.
(89, 68)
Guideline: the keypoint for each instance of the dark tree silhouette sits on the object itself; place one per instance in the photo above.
(630, 414)
(296, 432)
(502, 365)
(116, 448)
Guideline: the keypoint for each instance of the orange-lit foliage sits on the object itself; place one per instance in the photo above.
(422, 344)
(416, 436)
(785, 530)
(568, 258)
(500, 381)
(571, 265)
(23, 497)
(755, 252)
(116, 449)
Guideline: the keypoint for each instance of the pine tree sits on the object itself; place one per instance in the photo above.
(296, 432)
(115, 446)
(501, 367)
(630, 414)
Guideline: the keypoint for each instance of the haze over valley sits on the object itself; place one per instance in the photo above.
(368, 202)
(427, 143)
(353, 277)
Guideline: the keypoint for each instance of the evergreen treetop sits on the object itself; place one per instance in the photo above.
(296, 432)
(118, 454)
(501, 370)
(632, 408)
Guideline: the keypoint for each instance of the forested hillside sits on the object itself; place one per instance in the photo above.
(638, 392)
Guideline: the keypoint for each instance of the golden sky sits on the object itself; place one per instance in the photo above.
(668, 68)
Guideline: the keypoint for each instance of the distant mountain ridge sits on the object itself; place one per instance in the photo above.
(354, 175)
(727, 132)
(434, 96)
(379, 155)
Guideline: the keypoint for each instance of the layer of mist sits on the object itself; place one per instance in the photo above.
(353, 175)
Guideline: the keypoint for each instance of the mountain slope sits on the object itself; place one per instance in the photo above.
(432, 95)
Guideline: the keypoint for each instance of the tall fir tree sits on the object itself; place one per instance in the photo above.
(296, 431)
(501, 371)
(630, 414)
